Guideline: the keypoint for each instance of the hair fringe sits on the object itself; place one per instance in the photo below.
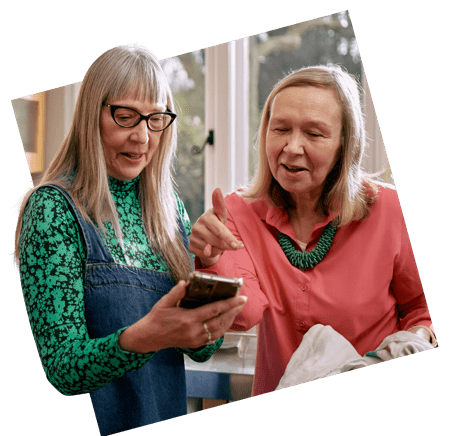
(79, 165)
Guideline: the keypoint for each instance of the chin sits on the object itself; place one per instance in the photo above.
(132, 176)
(294, 188)
(125, 176)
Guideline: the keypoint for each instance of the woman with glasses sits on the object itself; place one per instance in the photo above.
(102, 246)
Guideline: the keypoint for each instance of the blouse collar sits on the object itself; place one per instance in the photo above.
(278, 217)
(116, 185)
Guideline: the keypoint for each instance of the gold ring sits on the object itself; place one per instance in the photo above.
(208, 333)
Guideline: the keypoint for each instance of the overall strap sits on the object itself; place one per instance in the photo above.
(97, 250)
(183, 231)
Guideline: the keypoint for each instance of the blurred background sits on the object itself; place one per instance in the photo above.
(241, 72)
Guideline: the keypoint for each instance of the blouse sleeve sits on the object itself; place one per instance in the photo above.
(51, 261)
(406, 284)
(238, 263)
(202, 354)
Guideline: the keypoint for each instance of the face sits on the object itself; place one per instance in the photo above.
(128, 151)
(303, 139)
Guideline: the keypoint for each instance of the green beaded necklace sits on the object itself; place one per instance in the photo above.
(308, 259)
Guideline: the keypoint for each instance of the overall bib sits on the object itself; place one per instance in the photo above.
(116, 296)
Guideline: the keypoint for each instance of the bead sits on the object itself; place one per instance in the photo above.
(309, 259)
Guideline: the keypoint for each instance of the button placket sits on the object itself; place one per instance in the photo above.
(302, 306)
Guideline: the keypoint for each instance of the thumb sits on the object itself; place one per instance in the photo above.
(218, 204)
(174, 295)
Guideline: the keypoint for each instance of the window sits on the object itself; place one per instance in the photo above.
(275, 54)
(241, 74)
(30, 116)
(186, 76)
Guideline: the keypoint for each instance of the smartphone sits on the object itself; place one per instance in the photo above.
(206, 288)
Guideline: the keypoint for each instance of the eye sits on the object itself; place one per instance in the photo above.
(158, 121)
(125, 117)
(314, 134)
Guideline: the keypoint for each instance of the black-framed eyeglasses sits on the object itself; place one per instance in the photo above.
(129, 117)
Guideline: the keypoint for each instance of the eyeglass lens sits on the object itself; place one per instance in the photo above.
(128, 118)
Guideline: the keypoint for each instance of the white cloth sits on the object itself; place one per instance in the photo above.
(324, 352)
(400, 344)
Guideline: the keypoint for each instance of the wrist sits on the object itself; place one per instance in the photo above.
(425, 332)
(131, 341)
(126, 341)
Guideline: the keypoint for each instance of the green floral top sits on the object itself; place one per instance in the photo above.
(51, 259)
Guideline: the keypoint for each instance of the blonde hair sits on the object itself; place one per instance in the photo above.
(79, 165)
(348, 189)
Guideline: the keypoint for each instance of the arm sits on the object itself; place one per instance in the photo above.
(51, 268)
(167, 325)
(407, 288)
(219, 250)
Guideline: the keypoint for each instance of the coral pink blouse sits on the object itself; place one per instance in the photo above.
(366, 287)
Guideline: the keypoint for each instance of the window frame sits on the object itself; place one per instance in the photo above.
(227, 114)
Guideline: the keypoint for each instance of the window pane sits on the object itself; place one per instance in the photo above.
(186, 75)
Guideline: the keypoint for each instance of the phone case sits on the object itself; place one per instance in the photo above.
(206, 288)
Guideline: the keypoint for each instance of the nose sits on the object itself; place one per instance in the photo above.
(140, 133)
(295, 143)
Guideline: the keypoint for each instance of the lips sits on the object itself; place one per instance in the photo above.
(294, 168)
(132, 156)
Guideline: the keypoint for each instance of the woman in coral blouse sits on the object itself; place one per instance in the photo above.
(315, 238)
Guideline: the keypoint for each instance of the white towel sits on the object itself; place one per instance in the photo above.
(400, 344)
(324, 352)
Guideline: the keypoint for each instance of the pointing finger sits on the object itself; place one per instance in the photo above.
(218, 204)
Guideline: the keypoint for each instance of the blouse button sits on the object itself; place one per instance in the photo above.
(302, 324)
(303, 288)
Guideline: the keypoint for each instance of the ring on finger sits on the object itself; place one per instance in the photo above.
(208, 333)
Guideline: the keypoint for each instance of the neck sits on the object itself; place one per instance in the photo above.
(306, 206)
(305, 216)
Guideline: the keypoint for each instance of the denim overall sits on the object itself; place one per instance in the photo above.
(117, 296)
